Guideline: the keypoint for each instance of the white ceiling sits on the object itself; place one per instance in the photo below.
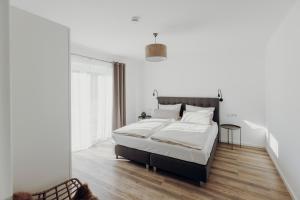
(184, 25)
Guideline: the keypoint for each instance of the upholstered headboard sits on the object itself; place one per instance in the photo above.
(194, 101)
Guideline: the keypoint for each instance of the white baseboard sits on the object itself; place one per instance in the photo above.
(292, 193)
(244, 144)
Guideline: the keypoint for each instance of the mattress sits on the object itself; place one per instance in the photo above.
(171, 150)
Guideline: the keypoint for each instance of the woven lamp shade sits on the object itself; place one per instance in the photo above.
(156, 52)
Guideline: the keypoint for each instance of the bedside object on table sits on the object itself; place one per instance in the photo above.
(144, 116)
(230, 130)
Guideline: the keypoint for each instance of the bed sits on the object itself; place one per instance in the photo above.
(189, 163)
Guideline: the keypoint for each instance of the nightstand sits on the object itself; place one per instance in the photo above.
(231, 128)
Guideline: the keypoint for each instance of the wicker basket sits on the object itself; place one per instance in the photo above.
(63, 191)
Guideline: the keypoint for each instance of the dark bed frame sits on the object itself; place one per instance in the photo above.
(196, 172)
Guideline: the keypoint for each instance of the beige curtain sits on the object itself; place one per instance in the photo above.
(119, 96)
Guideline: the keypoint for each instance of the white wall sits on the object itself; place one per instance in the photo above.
(283, 97)
(133, 78)
(133, 89)
(40, 109)
(237, 69)
(5, 147)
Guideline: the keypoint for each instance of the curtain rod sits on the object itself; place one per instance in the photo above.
(75, 54)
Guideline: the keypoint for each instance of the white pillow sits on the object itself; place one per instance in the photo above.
(165, 114)
(190, 108)
(170, 107)
(200, 117)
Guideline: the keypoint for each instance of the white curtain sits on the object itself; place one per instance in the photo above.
(91, 96)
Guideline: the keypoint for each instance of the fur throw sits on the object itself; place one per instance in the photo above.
(22, 196)
(84, 193)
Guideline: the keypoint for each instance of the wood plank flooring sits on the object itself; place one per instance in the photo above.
(246, 173)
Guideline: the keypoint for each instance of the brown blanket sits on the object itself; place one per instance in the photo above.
(84, 193)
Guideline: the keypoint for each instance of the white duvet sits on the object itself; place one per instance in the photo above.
(143, 128)
(185, 134)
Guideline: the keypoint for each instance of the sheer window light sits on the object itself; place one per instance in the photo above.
(91, 97)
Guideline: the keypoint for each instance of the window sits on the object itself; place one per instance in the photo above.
(91, 96)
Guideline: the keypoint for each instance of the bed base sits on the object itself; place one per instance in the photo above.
(135, 155)
(195, 172)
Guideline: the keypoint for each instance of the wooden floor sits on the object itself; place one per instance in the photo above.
(246, 173)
